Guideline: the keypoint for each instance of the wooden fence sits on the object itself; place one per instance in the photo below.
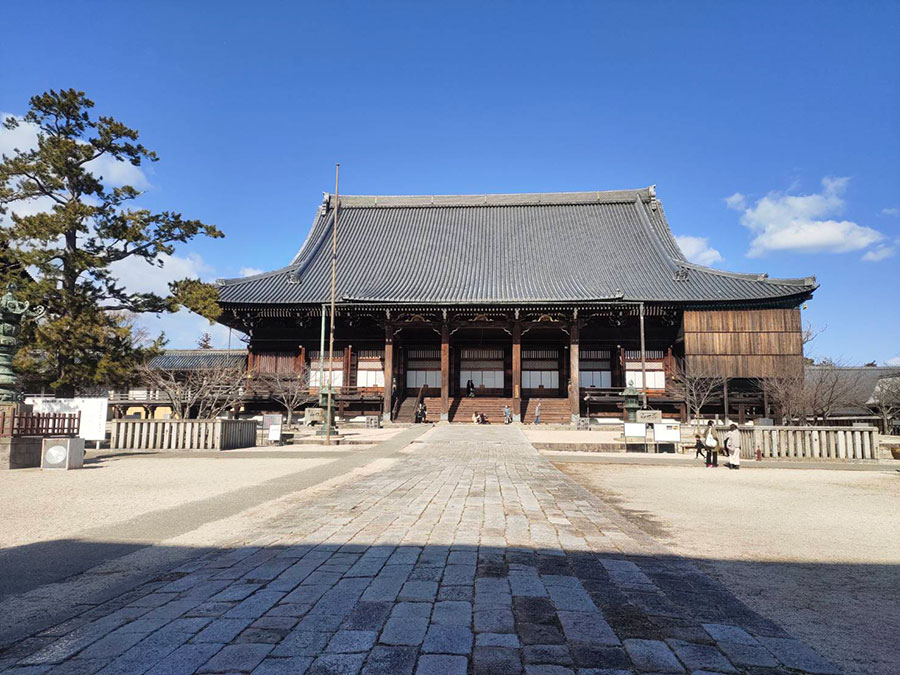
(806, 442)
(130, 434)
(40, 424)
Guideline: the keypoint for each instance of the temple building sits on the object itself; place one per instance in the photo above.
(558, 298)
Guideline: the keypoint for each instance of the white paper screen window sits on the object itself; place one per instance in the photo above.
(489, 379)
(337, 377)
(595, 378)
(423, 378)
(370, 378)
(656, 379)
(532, 379)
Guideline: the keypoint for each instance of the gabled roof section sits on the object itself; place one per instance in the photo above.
(197, 359)
(501, 249)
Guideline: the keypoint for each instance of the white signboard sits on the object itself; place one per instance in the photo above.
(93, 413)
(275, 433)
(668, 432)
(635, 430)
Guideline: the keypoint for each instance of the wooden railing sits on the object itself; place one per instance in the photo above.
(40, 424)
(182, 434)
(806, 442)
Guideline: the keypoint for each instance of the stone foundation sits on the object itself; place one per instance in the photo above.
(20, 453)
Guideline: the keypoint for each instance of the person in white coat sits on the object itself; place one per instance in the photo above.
(733, 447)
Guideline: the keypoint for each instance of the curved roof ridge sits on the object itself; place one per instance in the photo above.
(787, 281)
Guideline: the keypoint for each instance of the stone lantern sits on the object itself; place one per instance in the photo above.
(631, 404)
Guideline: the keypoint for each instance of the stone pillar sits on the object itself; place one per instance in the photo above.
(388, 372)
(574, 371)
(445, 373)
(517, 372)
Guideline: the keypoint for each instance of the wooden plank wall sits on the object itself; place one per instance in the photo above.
(744, 343)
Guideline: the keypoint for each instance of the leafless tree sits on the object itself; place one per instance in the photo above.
(698, 387)
(290, 389)
(209, 390)
(817, 393)
(787, 394)
(886, 400)
(832, 386)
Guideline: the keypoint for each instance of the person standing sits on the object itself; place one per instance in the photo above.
(733, 447)
(537, 413)
(712, 446)
(507, 415)
(470, 388)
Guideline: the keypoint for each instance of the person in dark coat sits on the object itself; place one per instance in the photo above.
(699, 448)
(470, 388)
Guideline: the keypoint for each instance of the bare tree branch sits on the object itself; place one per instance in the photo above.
(290, 389)
(209, 390)
(697, 387)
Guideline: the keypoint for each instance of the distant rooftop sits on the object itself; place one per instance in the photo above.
(193, 359)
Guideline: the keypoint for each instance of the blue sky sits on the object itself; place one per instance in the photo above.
(772, 130)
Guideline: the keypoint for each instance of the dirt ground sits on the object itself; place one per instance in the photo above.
(119, 488)
(817, 551)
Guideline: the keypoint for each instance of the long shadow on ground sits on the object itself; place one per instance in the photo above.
(327, 608)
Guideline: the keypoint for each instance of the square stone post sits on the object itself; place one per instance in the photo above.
(517, 372)
(388, 372)
(445, 373)
(574, 371)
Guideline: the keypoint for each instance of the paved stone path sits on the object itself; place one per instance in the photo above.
(472, 555)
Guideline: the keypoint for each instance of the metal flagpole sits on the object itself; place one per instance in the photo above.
(322, 357)
(643, 360)
(337, 206)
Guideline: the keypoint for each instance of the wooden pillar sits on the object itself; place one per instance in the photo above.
(388, 372)
(301, 360)
(725, 398)
(574, 372)
(517, 372)
(445, 373)
(346, 367)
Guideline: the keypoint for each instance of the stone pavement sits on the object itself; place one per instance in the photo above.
(473, 555)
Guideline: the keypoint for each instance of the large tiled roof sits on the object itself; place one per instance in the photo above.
(195, 359)
(500, 249)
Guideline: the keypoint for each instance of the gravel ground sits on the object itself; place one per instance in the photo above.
(118, 488)
(817, 551)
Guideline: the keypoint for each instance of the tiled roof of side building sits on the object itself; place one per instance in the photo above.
(501, 249)
(193, 359)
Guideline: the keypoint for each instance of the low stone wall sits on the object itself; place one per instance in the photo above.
(20, 452)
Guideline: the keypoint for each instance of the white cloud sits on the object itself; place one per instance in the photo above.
(183, 329)
(895, 362)
(698, 250)
(250, 271)
(890, 212)
(803, 223)
(737, 201)
(114, 172)
(879, 253)
(139, 276)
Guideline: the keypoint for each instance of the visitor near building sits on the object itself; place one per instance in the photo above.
(537, 413)
(712, 446)
(507, 415)
(470, 388)
(733, 447)
(699, 447)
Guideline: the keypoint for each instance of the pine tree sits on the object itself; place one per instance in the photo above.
(205, 341)
(69, 247)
